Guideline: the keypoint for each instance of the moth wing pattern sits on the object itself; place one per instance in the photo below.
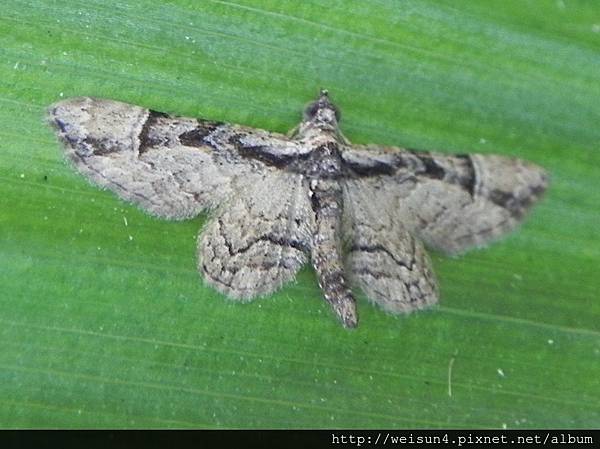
(259, 239)
(382, 257)
(451, 202)
(161, 163)
(360, 212)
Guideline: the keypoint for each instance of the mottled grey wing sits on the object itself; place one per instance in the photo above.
(452, 202)
(260, 238)
(173, 167)
(382, 258)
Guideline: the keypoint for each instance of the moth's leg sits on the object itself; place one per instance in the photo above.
(326, 251)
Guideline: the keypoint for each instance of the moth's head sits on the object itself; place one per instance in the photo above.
(322, 113)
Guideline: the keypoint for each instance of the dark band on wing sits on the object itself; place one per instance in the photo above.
(463, 175)
(383, 269)
(381, 249)
(259, 153)
(101, 147)
(373, 168)
(517, 206)
(276, 240)
(144, 138)
(197, 137)
(468, 179)
(421, 163)
(432, 169)
(429, 168)
(285, 262)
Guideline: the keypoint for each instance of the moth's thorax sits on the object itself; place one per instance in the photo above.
(325, 161)
(311, 133)
(314, 138)
(323, 138)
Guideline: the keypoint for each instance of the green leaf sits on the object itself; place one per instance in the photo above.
(104, 320)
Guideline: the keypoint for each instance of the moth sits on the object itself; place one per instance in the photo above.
(360, 214)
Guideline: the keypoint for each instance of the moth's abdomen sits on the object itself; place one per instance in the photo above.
(326, 251)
